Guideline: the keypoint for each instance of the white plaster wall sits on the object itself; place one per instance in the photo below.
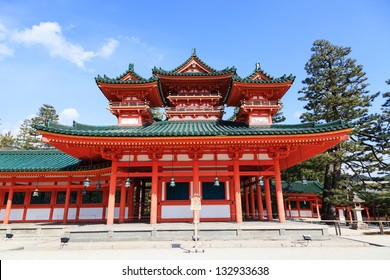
(176, 211)
(215, 211)
(72, 213)
(91, 213)
(58, 214)
(15, 214)
(38, 214)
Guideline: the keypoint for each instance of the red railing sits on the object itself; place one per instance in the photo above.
(193, 109)
(259, 103)
(129, 104)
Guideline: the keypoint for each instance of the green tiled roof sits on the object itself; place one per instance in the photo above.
(312, 187)
(272, 80)
(213, 72)
(191, 128)
(41, 160)
(117, 80)
(227, 70)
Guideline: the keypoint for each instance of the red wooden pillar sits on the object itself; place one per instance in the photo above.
(9, 204)
(196, 191)
(131, 201)
(279, 192)
(153, 200)
(252, 200)
(122, 203)
(268, 205)
(289, 207)
(246, 200)
(237, 190)
(259, 199)
(368, 213)
(111, 194)
(318, 209)
(67, 201)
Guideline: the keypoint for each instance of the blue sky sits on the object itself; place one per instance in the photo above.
(50, 51)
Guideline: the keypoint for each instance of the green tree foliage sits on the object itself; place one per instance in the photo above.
(373, 138)
(335, 89)
(28, 137)
(278, 117)
(7, 141)
(25, 140)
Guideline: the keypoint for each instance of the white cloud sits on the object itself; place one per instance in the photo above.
(5, 50)
(135, 39)
(108, 48)
(68, 115)
(50, 36)
(297, 114)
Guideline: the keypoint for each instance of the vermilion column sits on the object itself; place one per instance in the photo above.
(122, 203)
(237, 190)
(131, 200)
(259, 199)
(268, 204)
(196, 214)
(153, 200)
(252, 200)
(67, 200)
(279, 192)
(111, 194)
(246, 200)
(9, 205)
(318, 210)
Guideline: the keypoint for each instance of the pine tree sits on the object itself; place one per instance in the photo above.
(28, 137)
(7, 141)
(47, 113)
(374, 137)
(336, 89)
(24, 139)
(278, 117)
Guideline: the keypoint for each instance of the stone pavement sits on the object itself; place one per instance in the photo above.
(352, 244)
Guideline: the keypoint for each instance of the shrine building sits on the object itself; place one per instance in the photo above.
(147, 169)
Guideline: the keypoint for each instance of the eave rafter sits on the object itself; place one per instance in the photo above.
(81, 145)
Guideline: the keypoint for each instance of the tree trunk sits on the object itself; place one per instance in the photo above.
(327, 210)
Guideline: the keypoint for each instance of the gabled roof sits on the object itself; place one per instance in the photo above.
(202, 69)
(191, 128)
(260, 76)
(128, 77)
(312, 187)
(41, 160)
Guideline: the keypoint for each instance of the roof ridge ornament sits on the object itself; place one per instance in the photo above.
(258, 66)
(193, 51)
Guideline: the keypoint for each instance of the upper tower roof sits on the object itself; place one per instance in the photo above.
(193, 66)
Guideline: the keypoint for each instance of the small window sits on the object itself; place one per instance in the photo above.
(17, 198)
(42, 198)
(209, 191)
(178, 192)
(62, 195)
(93, 197)
(293, 204)
(304, 205)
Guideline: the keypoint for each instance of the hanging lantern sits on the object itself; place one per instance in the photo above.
(128, 182)
(86, 182)
(35, 193)
(172, 183)
(261, 181)
(216, 182)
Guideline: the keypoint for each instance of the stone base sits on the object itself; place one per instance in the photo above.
(359, 225)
